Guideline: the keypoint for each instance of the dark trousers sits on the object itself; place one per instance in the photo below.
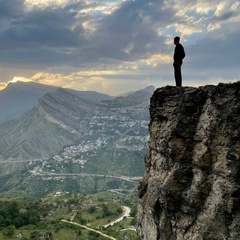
(177, 73)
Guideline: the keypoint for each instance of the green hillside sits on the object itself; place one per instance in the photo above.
(64, 216)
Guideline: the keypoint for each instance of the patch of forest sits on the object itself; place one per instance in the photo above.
(40, 219)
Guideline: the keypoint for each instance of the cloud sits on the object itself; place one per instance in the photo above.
(82, 80)
(42, 28)
(215, 52)
(10, 9)
(108, 41)
(131, 32)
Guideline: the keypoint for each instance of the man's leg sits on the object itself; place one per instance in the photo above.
(177, 74)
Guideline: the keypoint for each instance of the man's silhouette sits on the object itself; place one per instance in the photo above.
(178, 56)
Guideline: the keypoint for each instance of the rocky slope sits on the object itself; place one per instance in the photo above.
(19, 97)
(89, 143)
(45, 129)
(191, 186)
(63, 117)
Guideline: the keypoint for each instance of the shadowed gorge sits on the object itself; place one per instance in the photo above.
(190, 189)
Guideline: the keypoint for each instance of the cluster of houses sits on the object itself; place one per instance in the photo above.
(104, 130)
(82, 151)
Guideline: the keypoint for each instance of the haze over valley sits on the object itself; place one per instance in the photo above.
(74, 141)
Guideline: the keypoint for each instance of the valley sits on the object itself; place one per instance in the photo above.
(64, 215)
(74, 141)
(70, 166)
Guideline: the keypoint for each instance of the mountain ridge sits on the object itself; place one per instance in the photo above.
(19, 97)
(87, 144)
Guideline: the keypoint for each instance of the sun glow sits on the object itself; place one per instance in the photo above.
(3, 85)
(19, 79)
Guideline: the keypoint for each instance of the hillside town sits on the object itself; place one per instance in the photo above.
(104, 131)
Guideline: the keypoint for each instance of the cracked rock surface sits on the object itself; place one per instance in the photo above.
(191, 185)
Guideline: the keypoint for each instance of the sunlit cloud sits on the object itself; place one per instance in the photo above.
(188, 29)
(158, 59)
(3, 86)
(44, 3)
(49, 79)
(116, 45)
(212, 27)
(106, 8)
(19, 79)
(86, 80)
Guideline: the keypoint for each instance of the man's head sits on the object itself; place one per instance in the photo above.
(176, 40)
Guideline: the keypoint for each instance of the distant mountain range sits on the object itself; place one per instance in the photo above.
(71, 132)
(19, 97)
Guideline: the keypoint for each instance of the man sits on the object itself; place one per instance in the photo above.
(178, 56)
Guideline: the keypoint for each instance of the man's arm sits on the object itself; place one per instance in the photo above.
(183, 53)
(179, 53)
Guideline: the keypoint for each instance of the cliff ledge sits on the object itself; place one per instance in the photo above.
(191, 185)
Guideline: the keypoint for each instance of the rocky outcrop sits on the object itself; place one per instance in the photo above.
(191, 186)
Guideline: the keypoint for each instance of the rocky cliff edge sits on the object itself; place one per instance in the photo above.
(191, 185)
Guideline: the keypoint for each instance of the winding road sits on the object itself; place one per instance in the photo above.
(126, 213)
(89, 229)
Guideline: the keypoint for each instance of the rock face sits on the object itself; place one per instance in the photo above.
(191, 186)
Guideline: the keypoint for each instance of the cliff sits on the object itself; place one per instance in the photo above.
(191, 185)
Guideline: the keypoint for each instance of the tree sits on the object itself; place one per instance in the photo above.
(2, 221)
(133, 221)
(13, 208)
(57, 227)
(34, 235)
(119, 210)
(93, 234)
(133, 212)
(78, 233)
(92, 209)
(9, 231)
(18, 222)
(8, 220)
(34, 217)
(106, 212)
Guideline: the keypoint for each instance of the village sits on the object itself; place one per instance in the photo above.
(120, 133)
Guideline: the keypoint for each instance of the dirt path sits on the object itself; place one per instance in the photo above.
(89, 229)
(126, 213)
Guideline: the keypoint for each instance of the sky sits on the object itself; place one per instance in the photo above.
(117, 46)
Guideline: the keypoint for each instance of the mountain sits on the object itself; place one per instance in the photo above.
(92, 96)
(191, 184)
(45, 129)
(69, 133)
(19, 97)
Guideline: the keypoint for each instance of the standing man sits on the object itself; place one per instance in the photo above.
(178, 56)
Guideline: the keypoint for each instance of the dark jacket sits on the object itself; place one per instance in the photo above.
(179, 53)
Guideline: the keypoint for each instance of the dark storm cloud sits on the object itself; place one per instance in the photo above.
(40, 35)
(131, 32)
(41, 27)
(10, 8)
(80, 35)
(128, 33)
